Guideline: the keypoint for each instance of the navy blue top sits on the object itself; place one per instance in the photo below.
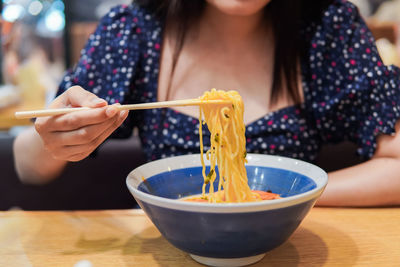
(348, 93)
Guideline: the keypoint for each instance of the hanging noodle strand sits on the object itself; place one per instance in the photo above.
(227, 151)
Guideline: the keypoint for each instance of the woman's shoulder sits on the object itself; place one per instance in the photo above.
(340, 27)
(340, 15)
(335, 28)
(132, 15)
(342, 7)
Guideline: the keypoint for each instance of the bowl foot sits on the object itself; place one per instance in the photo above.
(224, 262)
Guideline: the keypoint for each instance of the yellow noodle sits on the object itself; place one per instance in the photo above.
(227, 149)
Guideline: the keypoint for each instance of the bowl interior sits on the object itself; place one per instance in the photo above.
(184, 182)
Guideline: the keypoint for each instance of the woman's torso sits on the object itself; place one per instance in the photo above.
(348, 94)
(283, 130)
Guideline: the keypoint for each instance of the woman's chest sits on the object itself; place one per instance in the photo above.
(286, 132)
(198, 70)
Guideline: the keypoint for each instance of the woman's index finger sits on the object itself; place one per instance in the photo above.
(79, 119)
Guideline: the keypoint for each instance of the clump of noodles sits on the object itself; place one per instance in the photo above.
(227, 149)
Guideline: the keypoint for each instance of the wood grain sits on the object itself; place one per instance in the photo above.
(327, 237)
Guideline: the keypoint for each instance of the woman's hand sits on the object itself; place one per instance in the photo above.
(73, 136)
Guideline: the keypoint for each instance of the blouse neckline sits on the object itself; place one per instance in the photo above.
(286, 109)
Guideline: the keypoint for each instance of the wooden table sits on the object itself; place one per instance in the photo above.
(327, 237)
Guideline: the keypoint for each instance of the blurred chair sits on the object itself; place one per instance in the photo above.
(337, 156)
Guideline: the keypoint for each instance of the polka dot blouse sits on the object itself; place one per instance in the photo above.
(348, 93)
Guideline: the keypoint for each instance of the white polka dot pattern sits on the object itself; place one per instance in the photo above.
(349, 94)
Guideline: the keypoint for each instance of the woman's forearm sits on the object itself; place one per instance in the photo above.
(32, 162)
(372, 183)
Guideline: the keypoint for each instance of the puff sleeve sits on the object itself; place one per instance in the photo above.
(110, 61)
(352, 94)
(110, 57)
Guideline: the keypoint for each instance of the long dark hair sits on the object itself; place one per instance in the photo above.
(286, 18)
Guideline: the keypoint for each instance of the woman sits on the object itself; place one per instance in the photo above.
(308, 72)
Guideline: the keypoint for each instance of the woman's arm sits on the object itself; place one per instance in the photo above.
(372, 183)
(32, 162)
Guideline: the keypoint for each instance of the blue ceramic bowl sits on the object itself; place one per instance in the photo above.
(231, 234)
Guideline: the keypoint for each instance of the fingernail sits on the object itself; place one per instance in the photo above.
(111, 111)
(122, 113)
(96, 101)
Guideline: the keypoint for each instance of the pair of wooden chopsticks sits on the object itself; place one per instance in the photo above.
(162, 104)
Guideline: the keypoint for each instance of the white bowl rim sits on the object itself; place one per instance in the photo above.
(318, 175)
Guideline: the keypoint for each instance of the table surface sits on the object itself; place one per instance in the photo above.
(326, 237)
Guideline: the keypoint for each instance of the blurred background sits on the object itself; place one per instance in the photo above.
(40, 39)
